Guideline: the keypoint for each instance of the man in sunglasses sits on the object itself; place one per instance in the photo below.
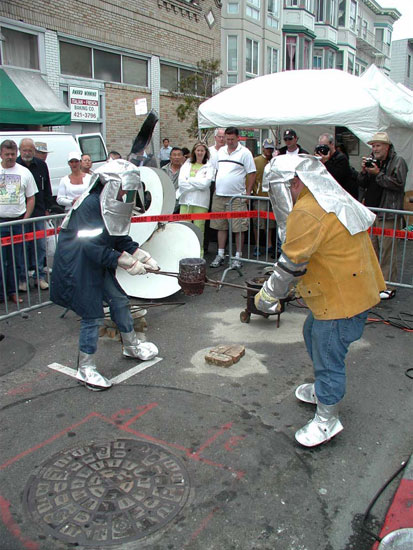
(291, 146)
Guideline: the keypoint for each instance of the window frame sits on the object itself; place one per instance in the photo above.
(26, 29)
(252, 74)
(233, 73)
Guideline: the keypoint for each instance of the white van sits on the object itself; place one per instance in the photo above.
(60, 145)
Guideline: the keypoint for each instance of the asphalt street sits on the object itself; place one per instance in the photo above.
(185, 455)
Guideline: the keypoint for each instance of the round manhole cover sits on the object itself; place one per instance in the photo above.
(107, 492)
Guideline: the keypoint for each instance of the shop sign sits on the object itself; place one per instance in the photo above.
(84, 103)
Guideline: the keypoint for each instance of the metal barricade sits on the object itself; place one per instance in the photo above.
(27, 249)
(393, 242)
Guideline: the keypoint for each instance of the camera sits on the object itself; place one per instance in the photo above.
(370, 162)
(322, 149)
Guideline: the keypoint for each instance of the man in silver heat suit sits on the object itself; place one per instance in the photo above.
(327, 254)
(93, 243)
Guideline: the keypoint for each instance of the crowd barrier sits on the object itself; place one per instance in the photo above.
(27, 248)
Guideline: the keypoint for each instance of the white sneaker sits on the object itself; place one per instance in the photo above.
(219, 260)
(42, 284)
(236, 264)
(22, 286)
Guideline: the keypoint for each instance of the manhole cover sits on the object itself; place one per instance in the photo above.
(107, 492)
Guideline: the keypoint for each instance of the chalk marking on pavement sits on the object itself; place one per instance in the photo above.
(63, 369)
(117, 379)
(134, 370)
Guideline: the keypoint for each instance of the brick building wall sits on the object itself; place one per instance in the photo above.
(174, 31)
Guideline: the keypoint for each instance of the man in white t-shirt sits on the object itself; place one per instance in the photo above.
(235, 176)
(17, 190)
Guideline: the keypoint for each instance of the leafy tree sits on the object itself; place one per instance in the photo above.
(194, 89)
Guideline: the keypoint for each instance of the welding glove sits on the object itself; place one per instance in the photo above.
(130, 264)
(146, 259)
(266, 303)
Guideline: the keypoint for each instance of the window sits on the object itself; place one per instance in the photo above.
(409, 63)
(340, 60)
(326, 11)
(330, 59)
(171, 77)
(318, 59)
(99, 64)
(357, 69)
(272, 60)
(251, 61)
(350, 67)
(306, 54)
(233, 8)
(75, 60)
(252, 9)
(291, 53)
(342, 13)
(232, 59)
(134, 71)
(20, 49)
(107, 66)
(353, 15)
(364, 28)
(273, 13)
(292, 3)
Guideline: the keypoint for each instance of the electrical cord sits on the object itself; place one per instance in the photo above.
(400, 322)
(375, 498)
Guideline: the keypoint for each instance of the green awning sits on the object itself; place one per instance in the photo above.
(25, 98)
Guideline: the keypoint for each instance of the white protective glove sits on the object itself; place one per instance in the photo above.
(146, 259)
(130, 264)
(266, 303)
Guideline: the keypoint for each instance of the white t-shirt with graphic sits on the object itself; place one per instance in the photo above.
(16, 184)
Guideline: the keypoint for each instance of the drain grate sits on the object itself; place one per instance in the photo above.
(107, 492)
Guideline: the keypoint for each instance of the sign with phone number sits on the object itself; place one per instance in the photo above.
(84, 103)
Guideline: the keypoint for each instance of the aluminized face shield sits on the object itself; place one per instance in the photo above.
(327, 192)
(122, 183)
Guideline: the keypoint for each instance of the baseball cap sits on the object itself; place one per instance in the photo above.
(380, 137)
(290, 133)
(268, 144)
(74, 155)
(41, 146)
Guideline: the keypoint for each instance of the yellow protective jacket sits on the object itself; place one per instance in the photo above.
(343, 275)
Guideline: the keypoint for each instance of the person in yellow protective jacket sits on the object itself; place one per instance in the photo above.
(328, 253)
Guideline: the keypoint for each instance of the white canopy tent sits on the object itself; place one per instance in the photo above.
(364, 104)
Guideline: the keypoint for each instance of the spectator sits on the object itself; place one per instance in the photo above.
(194, 182)
(291, 147)
(114, 155)
(235, 176)
(173, 167)
(165, 152)
(383, 178)
(219, 136)
(86, 164)
(336, 163)
(268, 148)
(339, 278)
(41, 150)
(186, 153)
(17, 191)
(73, 185)
(43, 202)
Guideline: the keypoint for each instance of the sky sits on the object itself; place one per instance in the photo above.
(403, 27)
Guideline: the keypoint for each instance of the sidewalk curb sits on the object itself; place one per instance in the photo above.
(400, 512)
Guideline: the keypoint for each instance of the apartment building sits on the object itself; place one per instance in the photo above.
(264, 36)
(401, 67)
(113, 53)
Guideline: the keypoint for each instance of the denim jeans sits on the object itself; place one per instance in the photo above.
(36, 250)
(9, 252)
(119, 313)
(327, 344)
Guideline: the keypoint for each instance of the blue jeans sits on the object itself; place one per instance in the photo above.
(119, 313)
(36, 251)
(12, 259)
(327, 344)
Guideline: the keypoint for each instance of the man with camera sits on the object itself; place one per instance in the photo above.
(383, 178)
(336, 163)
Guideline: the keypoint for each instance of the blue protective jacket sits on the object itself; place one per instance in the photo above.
(80, 262)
